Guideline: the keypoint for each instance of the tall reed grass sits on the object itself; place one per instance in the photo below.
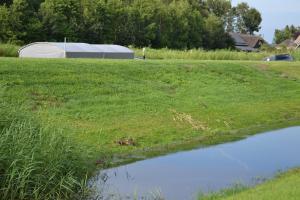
(37, 162)
(224, 54)
(9, 50)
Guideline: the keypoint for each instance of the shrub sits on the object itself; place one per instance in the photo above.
(8, 50)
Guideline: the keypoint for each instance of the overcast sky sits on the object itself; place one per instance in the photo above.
(276, 14)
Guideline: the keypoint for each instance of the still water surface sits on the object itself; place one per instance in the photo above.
(181, 176)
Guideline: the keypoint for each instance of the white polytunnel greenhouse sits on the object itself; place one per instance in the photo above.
(75, 50)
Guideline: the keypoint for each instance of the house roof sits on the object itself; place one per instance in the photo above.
(238, 40)
(245, 42)
(288, 43)
(251, 40)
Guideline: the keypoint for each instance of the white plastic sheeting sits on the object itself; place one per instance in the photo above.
(75, 50)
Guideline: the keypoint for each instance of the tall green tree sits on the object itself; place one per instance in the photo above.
(5, 30)
(178, 24)
(196, 29)
(61, 18)
(252, 19)
(146, 17)
(239, 12)
(220, 8)
(24, 23)
(6, 2)
(103, 21)
(247, 20)
(215, 36)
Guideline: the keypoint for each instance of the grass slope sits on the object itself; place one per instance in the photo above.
(159, 105)
(285, 186)
(155, 102)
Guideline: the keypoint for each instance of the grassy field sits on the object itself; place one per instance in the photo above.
(284, 186)
(100, 108)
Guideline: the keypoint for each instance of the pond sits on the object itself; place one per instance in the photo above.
(183, 175)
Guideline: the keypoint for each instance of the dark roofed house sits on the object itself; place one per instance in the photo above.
(253, 41)
(246, 42)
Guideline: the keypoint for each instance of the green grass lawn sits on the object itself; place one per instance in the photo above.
(285, 186)
(154, 102)
(159, 106)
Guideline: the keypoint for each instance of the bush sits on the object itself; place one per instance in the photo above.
(8, 50)
(296, 54)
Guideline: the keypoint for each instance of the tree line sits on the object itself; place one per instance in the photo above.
(289, 32)
(176, 24)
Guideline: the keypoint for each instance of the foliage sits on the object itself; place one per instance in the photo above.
(37, 162)
(219, 7)
(247, 19)
(5, 32)
(180, 24)
(61, 18)
(8, 50)
(6, 2)
(296, 54)
(252, 20)
(24, 24)
(216, 38)
(289, 32)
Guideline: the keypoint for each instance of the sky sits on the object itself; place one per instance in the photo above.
(276, 14)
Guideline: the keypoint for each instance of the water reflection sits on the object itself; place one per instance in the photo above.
(183, 175)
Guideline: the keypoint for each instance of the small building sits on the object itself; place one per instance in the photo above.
(74, 50)
(249, 43)
(290, 44)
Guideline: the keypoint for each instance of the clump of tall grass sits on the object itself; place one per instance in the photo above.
(37, 162)
(9, 50)
(198, 54)
(222, 54)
